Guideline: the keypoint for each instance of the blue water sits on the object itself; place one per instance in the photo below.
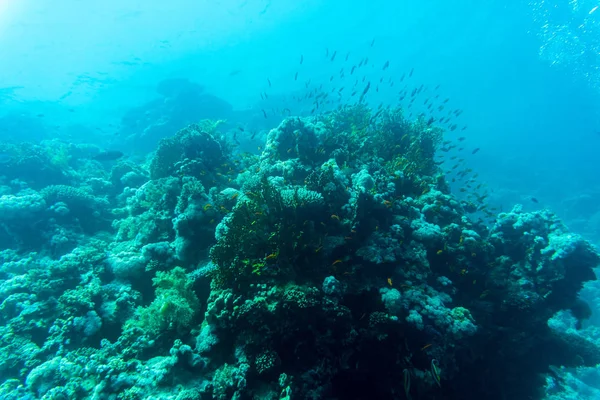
(530, 104)
(525, 74)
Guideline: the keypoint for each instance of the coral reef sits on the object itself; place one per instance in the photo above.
(336, 264)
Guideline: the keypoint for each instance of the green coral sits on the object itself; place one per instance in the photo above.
(387, 133)
(268, 231)
(173, 308)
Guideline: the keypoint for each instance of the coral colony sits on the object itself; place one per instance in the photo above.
(334, 264)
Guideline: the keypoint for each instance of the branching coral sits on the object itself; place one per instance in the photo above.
(174, 306)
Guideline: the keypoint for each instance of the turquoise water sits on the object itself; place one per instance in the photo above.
(526, 75)
(99, 208)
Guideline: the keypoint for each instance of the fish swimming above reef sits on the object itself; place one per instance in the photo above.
(108, 155)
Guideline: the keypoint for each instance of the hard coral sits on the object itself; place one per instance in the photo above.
(190, 145)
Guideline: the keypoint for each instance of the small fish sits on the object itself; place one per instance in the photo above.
(366, 89)
(389, 281)
(336, 262)
(426, 346)
(268, 80)
(347, 56)
(301, 59)
(372, 42)
(435, 372)
(536, 201)
(411, 72)
(386, 65)
(333, 56)
(296, 76)
(108, 155)
(475, 150)
(264, 113)
(406, 379)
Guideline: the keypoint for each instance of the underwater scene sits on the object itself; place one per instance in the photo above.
(290, 200)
